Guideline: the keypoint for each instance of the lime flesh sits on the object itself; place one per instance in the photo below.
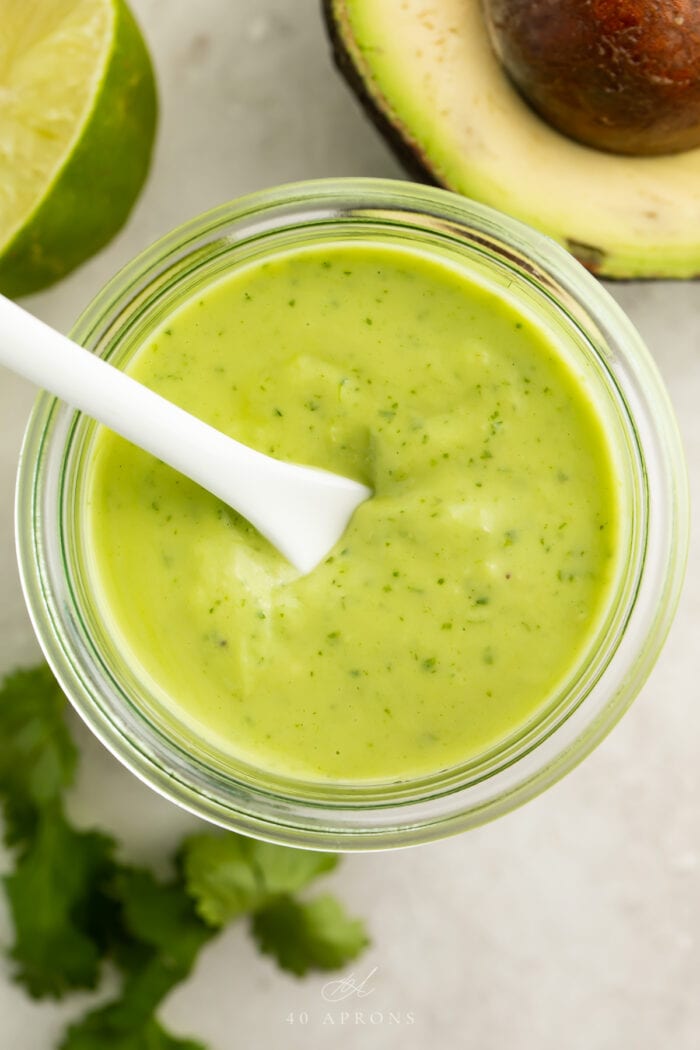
(77, 121)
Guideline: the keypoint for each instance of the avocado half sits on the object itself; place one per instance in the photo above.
(426, 73)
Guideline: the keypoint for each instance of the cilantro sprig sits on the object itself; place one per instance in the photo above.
(75, 903)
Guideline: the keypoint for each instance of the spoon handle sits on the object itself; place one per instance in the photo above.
(299, 509)
(91, 385)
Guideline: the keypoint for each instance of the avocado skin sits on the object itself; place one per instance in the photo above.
(407, 155)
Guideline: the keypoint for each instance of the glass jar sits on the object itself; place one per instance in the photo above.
(540, 278)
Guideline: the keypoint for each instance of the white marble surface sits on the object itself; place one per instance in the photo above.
(573, 924)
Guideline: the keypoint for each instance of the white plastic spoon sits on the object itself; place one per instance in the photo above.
(301, 510)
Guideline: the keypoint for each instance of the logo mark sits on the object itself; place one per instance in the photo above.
(346, 987)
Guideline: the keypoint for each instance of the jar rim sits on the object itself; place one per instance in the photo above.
(256, 808)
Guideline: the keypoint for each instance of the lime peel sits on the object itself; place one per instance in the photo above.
(73, 172)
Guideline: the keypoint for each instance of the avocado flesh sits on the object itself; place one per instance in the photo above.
(432, 83)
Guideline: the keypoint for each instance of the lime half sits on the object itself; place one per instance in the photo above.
(77, 122)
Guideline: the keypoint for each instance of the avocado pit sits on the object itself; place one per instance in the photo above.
(618, 75)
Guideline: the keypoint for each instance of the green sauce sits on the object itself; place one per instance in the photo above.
(462, 594)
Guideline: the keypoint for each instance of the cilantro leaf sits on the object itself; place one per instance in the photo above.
(156, 947)
(286, 870)
(160, 916)
(37, 754)
(230, 875)
(129, 1023)
(73, 905)
(312, 935)
(102, 1029)
(52, 894)
(219, 877)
